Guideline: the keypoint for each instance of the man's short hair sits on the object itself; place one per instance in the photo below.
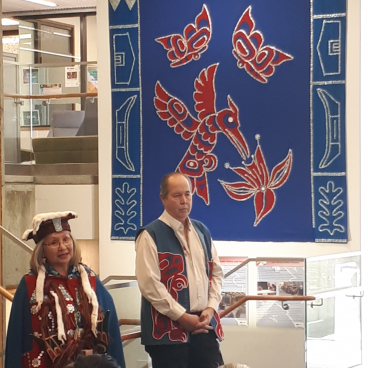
(164, 187)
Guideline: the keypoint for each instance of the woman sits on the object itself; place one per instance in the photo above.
(60, 309)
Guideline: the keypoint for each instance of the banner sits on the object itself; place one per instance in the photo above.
(247, 99)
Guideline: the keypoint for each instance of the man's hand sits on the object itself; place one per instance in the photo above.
(207, 315)
(197, 324)
(189, 321)
(204, 321)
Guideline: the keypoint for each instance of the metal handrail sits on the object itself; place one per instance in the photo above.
(50, 65)
(49, 97)
(135, 335)
(130, 336)
(16, 240)
(129, 322)
(303, 298)
(118, 278)
(5, 293)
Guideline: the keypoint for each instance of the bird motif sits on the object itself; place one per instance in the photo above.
(182, 49)
(201, 130)
(257, 59)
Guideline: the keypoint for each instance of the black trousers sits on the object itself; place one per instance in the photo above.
(202, 351)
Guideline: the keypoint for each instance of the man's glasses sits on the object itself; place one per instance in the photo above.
(66, 241)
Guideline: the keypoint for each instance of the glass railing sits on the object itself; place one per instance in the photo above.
(261, 331)
(127, 299)
(47, 100)
(334, 336)
(268, 324)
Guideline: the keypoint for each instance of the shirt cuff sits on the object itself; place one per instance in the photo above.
(176, 312)
(213, 303)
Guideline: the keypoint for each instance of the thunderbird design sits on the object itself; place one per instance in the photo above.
(257, 60)
(181, 49)
(201, 130)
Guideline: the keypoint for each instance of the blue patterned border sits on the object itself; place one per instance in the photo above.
(328, 120)
(126, 160)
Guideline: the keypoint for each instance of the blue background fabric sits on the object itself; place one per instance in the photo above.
(286, 112)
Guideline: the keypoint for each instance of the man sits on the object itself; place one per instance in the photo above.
(180, 278)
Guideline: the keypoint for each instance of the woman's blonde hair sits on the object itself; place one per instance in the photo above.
(37, 259)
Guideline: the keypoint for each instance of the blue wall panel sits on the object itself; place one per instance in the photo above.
(247, 98)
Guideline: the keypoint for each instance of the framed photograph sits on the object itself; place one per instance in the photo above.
(27, 118)
(26, 76)
(50, 89)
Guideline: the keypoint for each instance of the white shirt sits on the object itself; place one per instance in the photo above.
(148, 273)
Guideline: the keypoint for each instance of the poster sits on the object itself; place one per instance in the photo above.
(281, 279)
(71, 76)
(92, 83)
(234, 288)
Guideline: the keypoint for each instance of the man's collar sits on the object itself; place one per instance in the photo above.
(173, 223)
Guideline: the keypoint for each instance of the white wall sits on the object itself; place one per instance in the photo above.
(364, 178)
(82, 199)
(92, 38)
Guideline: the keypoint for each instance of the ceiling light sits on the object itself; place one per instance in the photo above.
(42, 2)
(24, 36)
(30, 28)
(61, 34)
(9, 22)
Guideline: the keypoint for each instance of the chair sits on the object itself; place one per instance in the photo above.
(65, 123)
(90, 122)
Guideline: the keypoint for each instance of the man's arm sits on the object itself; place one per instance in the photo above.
(148, 276)
(215, 297)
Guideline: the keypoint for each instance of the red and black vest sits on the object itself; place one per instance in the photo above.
(47, 351)
(156, 327)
